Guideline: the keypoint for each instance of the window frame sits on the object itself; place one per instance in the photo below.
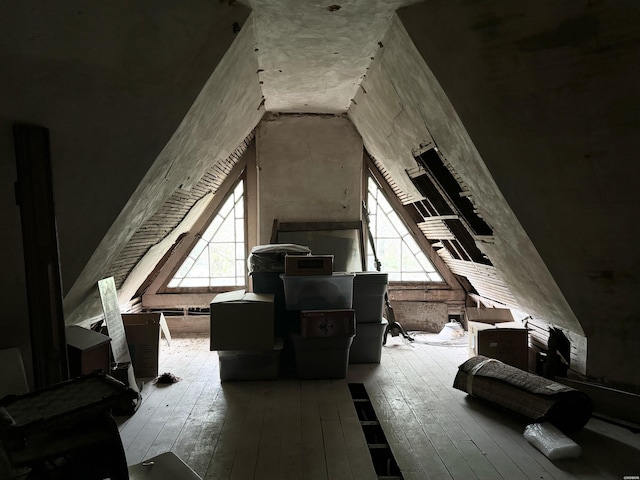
(411, 290)
(198, 236)
(158, 294)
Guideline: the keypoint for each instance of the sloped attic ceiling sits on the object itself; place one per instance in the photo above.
(509, 92)
(315, 58)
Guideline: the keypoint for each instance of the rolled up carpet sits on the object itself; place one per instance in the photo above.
(535, 397)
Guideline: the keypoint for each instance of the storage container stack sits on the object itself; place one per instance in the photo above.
(242, 332)
(266, 264)
(323, 300)
(369, 289)
(248, 328)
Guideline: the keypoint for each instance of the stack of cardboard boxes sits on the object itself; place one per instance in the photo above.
(242, 331)
(304, 315)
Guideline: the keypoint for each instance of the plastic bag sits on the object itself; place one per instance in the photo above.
(270, 258)
(554, 444)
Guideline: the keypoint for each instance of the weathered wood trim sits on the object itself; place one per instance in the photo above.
(34, 194)
(177, 300)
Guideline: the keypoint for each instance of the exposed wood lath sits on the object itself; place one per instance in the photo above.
(404, 197)
(438, 174)
(485, 279)
(172, 212)
(440, 223)
(435, 228)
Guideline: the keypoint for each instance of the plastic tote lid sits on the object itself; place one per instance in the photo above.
(371, 277)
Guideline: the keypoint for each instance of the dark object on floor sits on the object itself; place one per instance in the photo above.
(66, 431)
(535, 397)
(167, 378)
(393, 327)
(559, 354)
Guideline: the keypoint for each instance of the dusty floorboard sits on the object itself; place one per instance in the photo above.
(291, 429)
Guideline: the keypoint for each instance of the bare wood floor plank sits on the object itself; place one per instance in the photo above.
(335, 451)
(291, 453)
(399, 415)
(313, 455)
(246, 455)
(439, 379)
(268, 461)
(442, 428)
(290, 429)
(239, 402)
(519, 457)
(209, 434)
(354, 438)
(195, 422)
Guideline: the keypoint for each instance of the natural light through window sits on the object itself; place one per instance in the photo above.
(401, 257)
(218, 258)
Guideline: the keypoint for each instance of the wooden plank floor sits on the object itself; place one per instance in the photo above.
(291, 429)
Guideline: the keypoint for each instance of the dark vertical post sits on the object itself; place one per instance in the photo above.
(34, 194)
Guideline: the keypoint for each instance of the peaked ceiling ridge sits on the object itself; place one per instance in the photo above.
(313, 57)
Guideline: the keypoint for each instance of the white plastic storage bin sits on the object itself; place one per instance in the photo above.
(250, 365)
(368, 296)
(318, 292)
(321, 357)
(367, 343)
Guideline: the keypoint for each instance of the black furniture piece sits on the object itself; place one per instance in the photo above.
(66, 431)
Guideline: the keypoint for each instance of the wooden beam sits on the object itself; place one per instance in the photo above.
(177, 300)
(34, 194)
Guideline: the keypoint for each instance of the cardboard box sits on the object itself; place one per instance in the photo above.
(242, 321)
(308, 265)
(87, 351)
(143, 332)
(327, 323)
(507, 342)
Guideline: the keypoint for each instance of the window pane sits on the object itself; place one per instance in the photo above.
(414, 277)
(410, 263)
(435, 277)
(184, 268)
(226, 231)
(389, 254)
(239, 232)
(425, 263)
(385, 228)
(239, 210)
(194, 282)
(198, 249)
(222, 259)
(218, 258)
(400, 255)
(201, 266)
(213, 228)
(226, 208)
